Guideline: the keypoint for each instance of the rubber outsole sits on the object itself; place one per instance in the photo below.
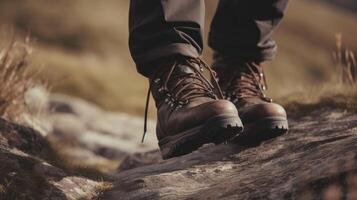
(217, 130)
(264, 129)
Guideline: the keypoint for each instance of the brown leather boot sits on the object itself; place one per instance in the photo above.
(190, 109)
(244, 85)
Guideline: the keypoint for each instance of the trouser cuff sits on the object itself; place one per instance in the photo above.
(146, 62)
(237, 59)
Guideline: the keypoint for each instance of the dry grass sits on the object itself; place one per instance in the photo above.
(329, 96)
(15, 79)
(85, 52)
(339, 92)
(102, 188)
(345, 62)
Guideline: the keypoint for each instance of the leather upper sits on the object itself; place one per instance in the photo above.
(185, 98)
(244, 85)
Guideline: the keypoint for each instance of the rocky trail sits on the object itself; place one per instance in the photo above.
(77, 151)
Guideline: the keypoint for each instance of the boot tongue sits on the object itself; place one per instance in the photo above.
(190, 72)
(180, 71)
(185, 69)
(185, 75)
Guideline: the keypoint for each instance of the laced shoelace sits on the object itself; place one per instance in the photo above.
(251, 83)
(181, 92)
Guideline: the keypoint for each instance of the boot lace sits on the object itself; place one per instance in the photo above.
(178, 91)
(247, 83)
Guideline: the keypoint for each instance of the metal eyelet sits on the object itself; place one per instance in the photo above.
(157, 81)
(161, 90)
(178, 107)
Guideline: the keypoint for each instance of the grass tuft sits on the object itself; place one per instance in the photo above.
(15, 78)
(345, 62)
(340, 92)
(328, 97)
(102, 188)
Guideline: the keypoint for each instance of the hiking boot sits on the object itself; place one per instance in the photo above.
(244, 86)
(190, 109)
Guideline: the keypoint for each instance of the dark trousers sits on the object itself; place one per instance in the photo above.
(241, 29)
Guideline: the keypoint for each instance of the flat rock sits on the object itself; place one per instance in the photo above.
(28, 169)
(89, 136)
(317, 159)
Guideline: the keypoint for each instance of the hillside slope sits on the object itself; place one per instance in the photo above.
(346, 4)
(84, 52)
(307, 39)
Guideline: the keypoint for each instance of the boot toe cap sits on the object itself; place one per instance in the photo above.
(200, 115)
(260, 111)
(221, 107)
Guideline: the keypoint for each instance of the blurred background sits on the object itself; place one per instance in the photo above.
(81, 47)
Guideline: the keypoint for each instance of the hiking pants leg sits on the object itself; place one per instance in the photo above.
(163, 28)
(242, 29)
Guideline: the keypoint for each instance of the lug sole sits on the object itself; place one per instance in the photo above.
(216, 130)
(264, 129)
